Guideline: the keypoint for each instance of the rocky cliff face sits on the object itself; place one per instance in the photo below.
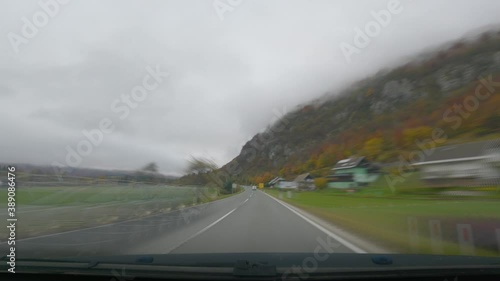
(429, 82)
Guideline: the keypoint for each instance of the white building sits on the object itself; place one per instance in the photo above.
(468, 164)
(287, 184)
(279, 182)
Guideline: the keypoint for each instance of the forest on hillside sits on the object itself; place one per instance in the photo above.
(454, 93)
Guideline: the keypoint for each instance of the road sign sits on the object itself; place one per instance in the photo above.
(261, 185)
(465, 239)
(413, 232)
(436, 236)
(497, 231)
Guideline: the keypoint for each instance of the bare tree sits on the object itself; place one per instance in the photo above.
(151, 167)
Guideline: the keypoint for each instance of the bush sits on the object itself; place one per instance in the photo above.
(320, 183)
(228, 187)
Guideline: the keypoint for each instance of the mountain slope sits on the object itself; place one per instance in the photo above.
(385, 116)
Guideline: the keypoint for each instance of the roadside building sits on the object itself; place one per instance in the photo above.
(274, 182)
(305, 181)
(353, 172)
(468, 164)
(279, 182)
(288, 184)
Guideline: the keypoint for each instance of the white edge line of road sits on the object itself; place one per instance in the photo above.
(344, 242)
(119, 222)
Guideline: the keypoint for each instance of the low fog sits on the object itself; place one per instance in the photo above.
(215, 72)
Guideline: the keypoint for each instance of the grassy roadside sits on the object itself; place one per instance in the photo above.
(47, 210)
(385, 221)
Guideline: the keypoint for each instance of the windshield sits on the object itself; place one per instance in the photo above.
(243, 127)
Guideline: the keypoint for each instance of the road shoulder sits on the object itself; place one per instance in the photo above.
(357, 243)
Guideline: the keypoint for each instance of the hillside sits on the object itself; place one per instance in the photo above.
(384, 117)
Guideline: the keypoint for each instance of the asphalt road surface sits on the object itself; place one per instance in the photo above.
(251, 221)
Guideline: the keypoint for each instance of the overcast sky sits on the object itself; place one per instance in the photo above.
(231, 69)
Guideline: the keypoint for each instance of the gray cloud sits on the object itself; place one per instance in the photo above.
(226, 77)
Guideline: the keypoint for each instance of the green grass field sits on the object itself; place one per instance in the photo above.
(411, 185)
(96, 194)
(384, 219)
(45, 210)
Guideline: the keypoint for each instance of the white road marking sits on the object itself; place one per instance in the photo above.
(341, 240)
(206, 227)
(129, 220)
(203, 230)
(76, 230)
(110, 224)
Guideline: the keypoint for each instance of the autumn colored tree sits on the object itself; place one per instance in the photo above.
(329, 155)
(492, 123)
(327, 158)
(412, 135)
(298, 169)
(311, 163)
(320, 183)
(264, 178)
(373, 147)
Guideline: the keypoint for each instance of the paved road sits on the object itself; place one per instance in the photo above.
(248, 222)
